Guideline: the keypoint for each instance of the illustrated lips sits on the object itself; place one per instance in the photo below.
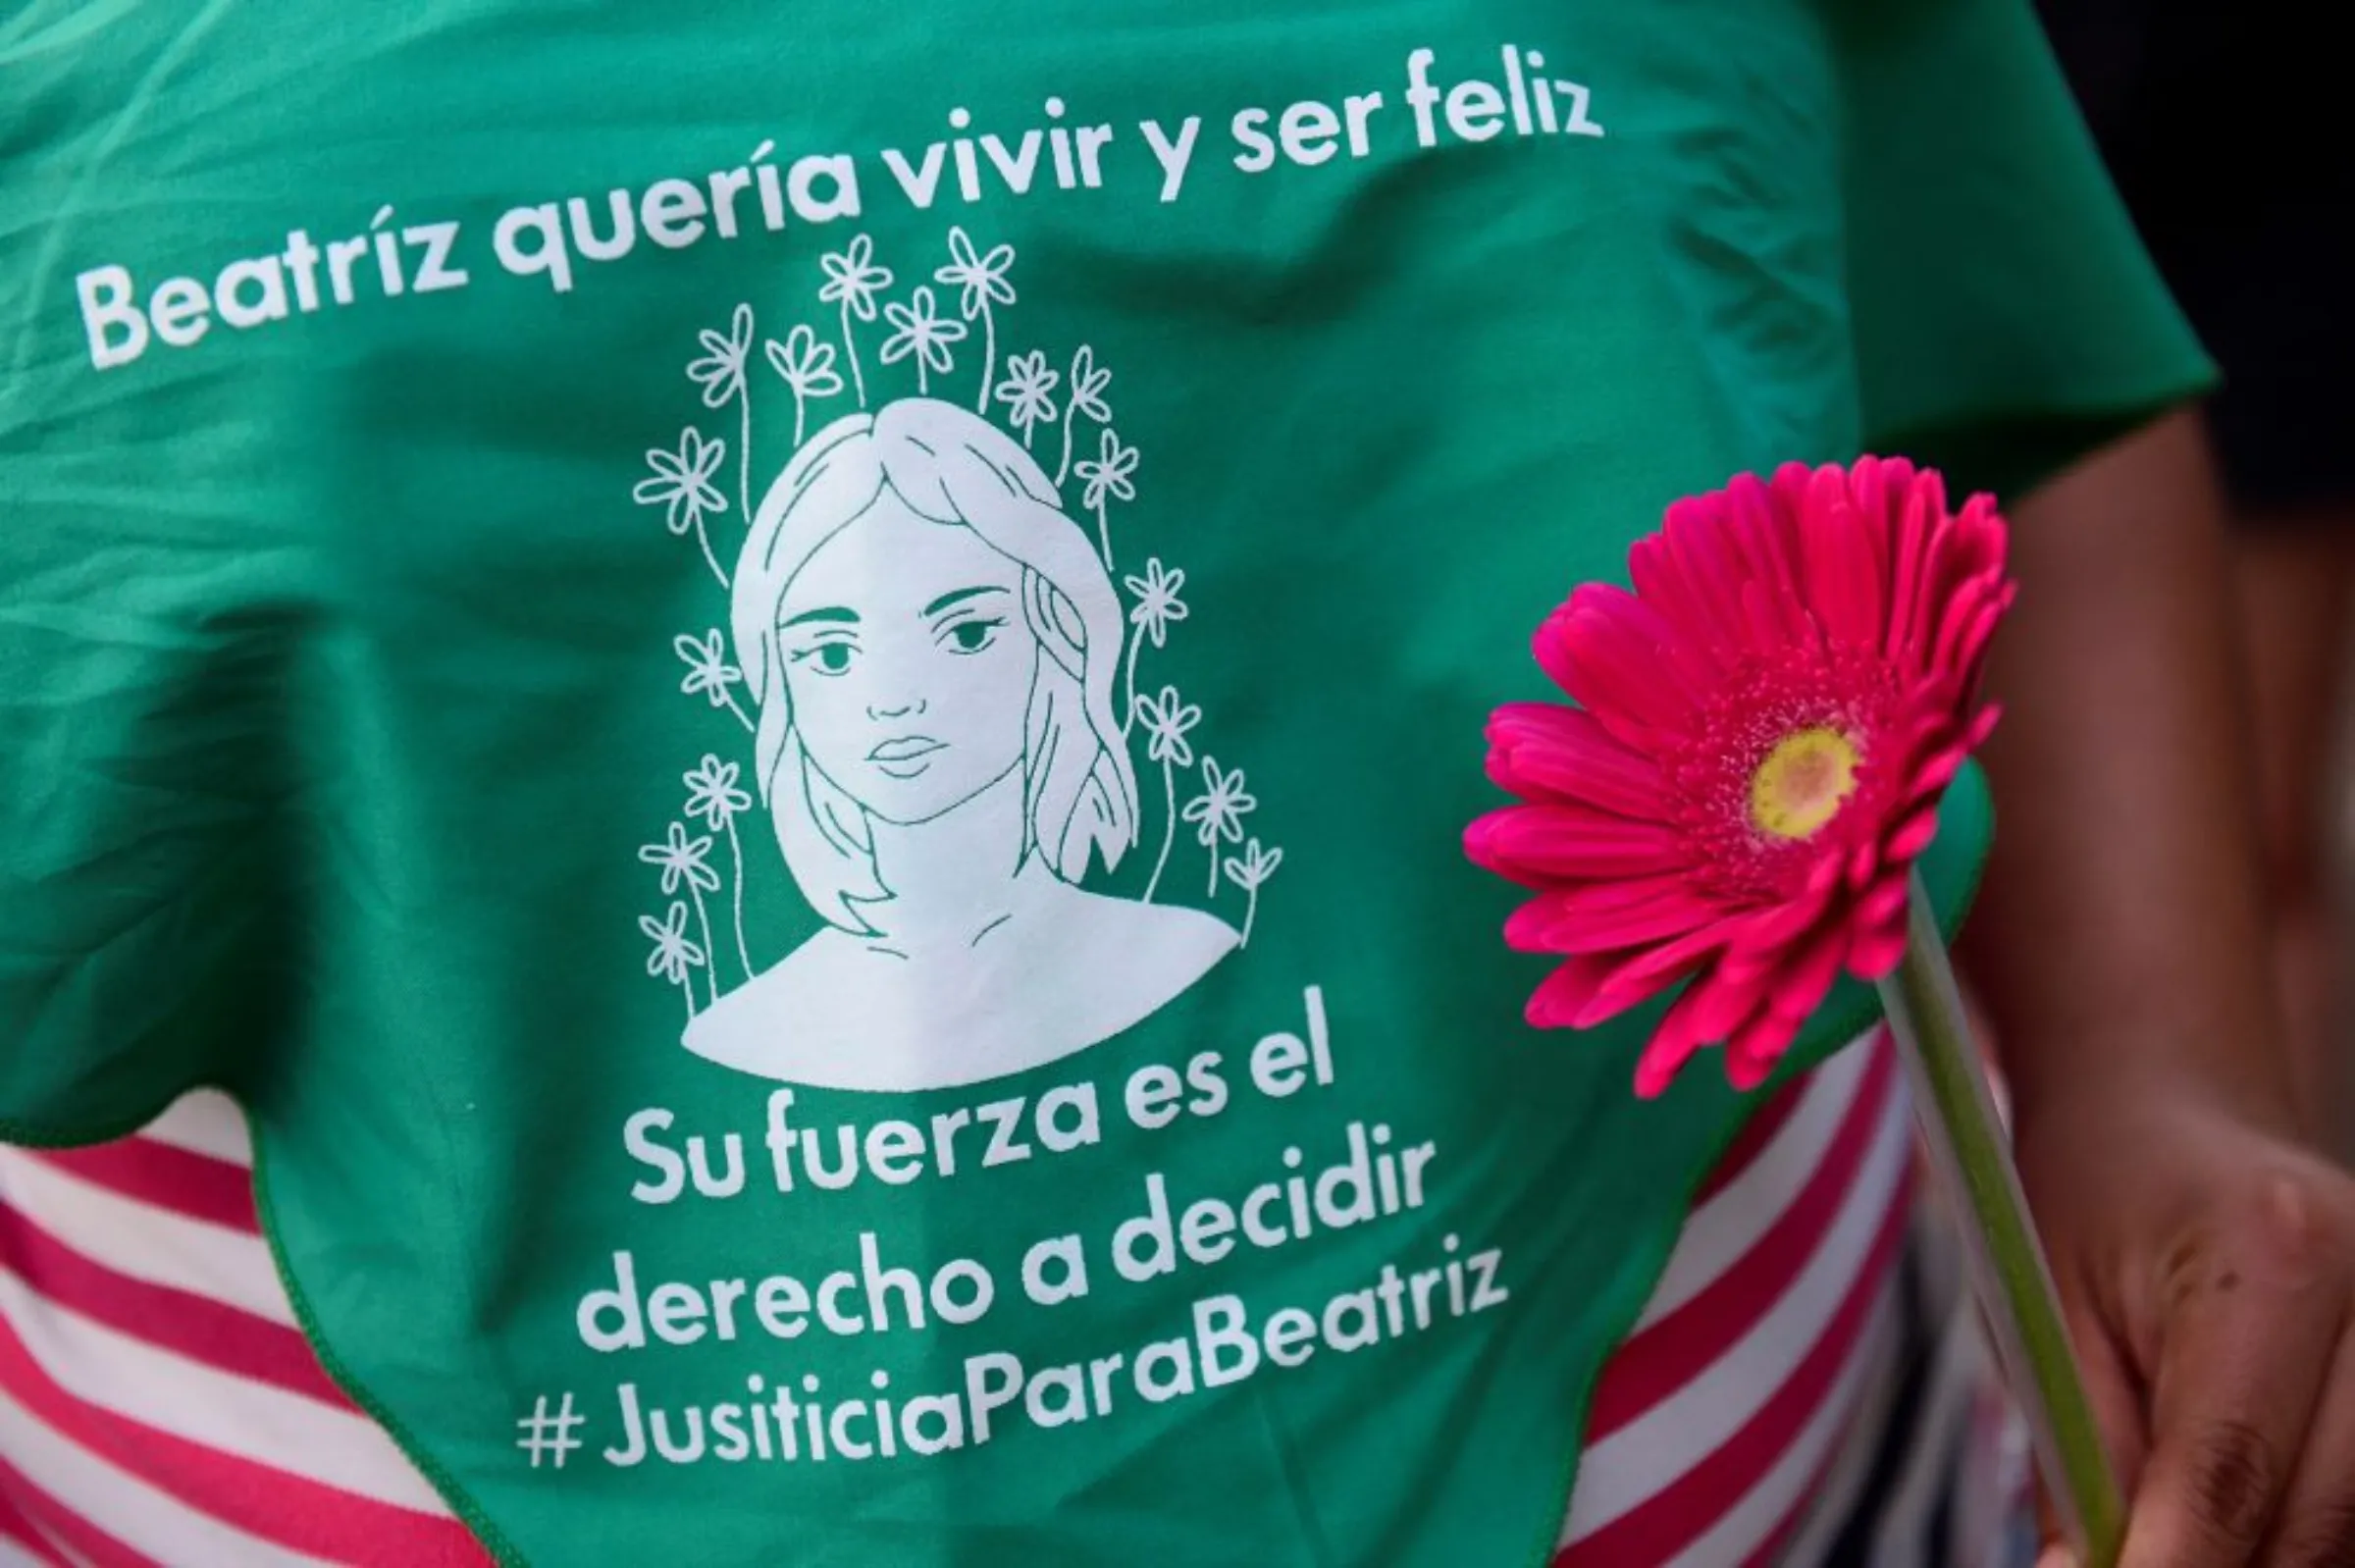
(906, 749)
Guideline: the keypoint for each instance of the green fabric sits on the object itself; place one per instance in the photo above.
(354, 666)
(2007, 320)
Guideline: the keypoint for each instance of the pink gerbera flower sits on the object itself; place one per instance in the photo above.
(1765, 727)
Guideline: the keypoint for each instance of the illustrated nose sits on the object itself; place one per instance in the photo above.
(913, 705)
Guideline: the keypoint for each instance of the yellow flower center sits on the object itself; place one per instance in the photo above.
(1800, 784)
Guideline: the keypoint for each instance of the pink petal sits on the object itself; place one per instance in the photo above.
(1911, 837)
(1560, 840)
(1763, 621)
(1671, 1046)
(1605, 652)
(1930, 778)
(1761, 941)
(1698, 555)
(1868, 486)
(1753, 1053)
(1913, 525)
(1966, 624)
(1844, 585)
(1651, 970)
(1720, 1004)
(1800, 986)
(1608, 915)
(1565, 993)
(1885, 906)
(1875, 953)
(1648, 632)
(1983, 530)
(1541, 750)
(1685, 601)
(1766, 538)
(1768, 514)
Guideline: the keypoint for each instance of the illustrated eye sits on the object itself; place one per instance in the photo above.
(972, 636)
(827, 658)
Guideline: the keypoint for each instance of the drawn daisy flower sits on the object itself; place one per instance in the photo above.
(1108, 473)
(1251, 871)
(1218, 813)
(807, 369)
(1167, 720)
(923, 334)
(673, 956)
(682, 481)
(682, 860)
(854, 281)
(1088, 386)
(1106, 478)
(713, 794)
(681, 485)
(981, 278)
(1157, 602)
(720, 372)
(708, 671)
(805, 364)
(982, 286)
(1028, 392)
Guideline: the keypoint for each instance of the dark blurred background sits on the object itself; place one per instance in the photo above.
(2226, 129)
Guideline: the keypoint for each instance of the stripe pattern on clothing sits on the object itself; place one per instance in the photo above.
(158, 1404)
(1718, 1420)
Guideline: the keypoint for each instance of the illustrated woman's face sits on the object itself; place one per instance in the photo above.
(908, 661)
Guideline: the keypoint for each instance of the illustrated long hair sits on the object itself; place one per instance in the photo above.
(954, 468)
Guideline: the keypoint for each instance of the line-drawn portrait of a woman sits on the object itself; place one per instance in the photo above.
(933, 645)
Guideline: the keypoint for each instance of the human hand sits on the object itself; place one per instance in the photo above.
(2206, 1264)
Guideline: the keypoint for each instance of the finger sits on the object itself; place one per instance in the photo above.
(2117, 1411)
(2317, 1527)
(2247, 1324)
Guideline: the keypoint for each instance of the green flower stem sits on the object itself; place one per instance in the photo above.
(1957, 1114)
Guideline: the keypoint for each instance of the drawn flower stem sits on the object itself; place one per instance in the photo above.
(702, 537)
(989, 353)
(1137, 643)
(1169, 827)
(850, 348)
(742, 718)
(1063, 470)
(1213, 868)
(744, 954)
(744, 449)
(687, 990)
(1250, 912)
(703, 919)
(800, 418)
(1104, 531)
